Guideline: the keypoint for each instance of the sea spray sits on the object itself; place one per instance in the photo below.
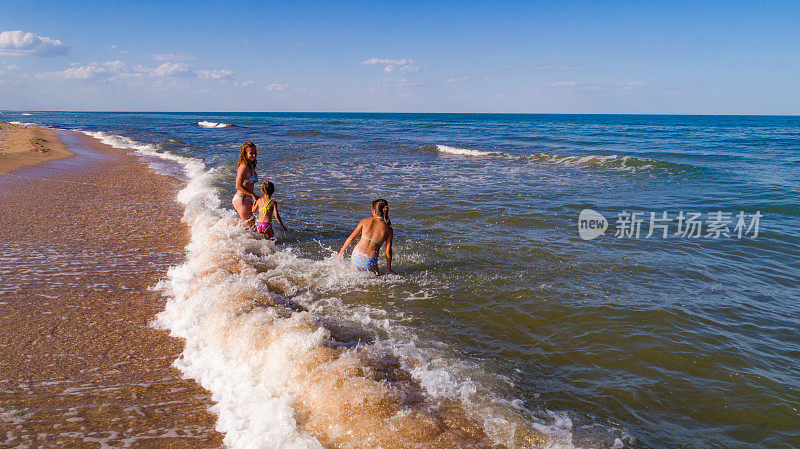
(284, 375)
(277, 375)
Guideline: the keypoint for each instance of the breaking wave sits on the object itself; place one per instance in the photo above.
(206, 124)
(290, 365)
(612, 161)
(467, 152)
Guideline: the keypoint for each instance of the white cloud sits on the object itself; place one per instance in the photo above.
(91, 72)
(248, 83)
(18, 43)
(632, 85)
(183, 70)
(179, 69)
(456, 80)
(288, 89)
(400, 82)
(393, 65)
(113, 70)
(216, 74)
(12, 67)
(173, 57)
(117, 67)
(575, 86)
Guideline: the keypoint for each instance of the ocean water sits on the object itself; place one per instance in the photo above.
(505, 326)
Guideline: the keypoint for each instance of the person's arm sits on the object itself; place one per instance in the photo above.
(254, 209)
(240, 187)
(389, 252)
(278, 216)
(351, 239)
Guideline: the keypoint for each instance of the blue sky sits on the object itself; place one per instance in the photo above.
(529, 57)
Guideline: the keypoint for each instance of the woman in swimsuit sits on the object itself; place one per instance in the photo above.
(246, 178)
(267, 208)
(371, 233)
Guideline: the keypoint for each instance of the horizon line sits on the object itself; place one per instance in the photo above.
(398, 113)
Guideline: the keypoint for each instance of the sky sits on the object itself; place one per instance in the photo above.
(670, 57)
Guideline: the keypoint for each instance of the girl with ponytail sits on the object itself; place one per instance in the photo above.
(371, 233)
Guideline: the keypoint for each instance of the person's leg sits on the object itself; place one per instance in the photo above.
(243, 206)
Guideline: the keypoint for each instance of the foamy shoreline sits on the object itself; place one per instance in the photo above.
(84, 239)
(282, 371)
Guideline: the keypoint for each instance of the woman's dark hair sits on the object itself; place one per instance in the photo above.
(381, 206)
(268, 188)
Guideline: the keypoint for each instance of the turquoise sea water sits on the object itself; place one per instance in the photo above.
(616, 341)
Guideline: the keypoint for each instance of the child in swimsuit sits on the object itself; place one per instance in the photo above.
(267, 207)
(371, 233)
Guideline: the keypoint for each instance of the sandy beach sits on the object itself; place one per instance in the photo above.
(24, 146)
(82, 241)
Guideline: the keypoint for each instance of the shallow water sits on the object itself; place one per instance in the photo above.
(502, 311)
(79, 364)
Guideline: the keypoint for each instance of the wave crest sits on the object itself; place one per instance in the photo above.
(468, 152)
(207, 124)
(613, 161)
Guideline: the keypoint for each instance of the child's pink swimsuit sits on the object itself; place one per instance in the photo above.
(262, 226)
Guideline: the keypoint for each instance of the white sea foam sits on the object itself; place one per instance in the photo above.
(467, 152)
(154, 157)
(612, 161)
(290, 365)
(207, 124)
(607, 161)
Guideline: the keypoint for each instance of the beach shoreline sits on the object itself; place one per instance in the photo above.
(81, 364)
(622, 341)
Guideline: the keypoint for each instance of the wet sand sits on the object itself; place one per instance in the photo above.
(82, 239)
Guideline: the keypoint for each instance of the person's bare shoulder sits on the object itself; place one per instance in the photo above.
(240, 170)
